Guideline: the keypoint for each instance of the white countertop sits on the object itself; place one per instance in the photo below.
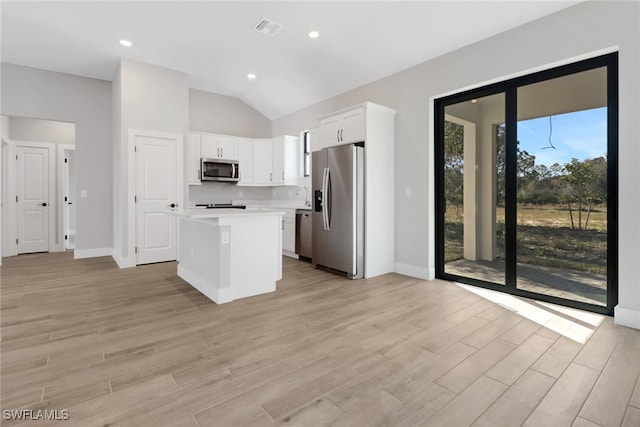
(272, 204)
(218, 213)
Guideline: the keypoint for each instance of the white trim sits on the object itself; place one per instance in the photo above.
(92, 253)
(415, 271)
(53, 200)
(626, 317)
(217, 295)
(60, 194)
(122, 261)
(131, 258)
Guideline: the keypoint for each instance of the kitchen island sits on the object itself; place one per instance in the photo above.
(229, 254)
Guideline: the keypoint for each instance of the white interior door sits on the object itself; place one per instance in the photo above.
(156, 191)
(33, 199)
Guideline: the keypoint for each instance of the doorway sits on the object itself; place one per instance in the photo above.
(527, 185)
(33, 214)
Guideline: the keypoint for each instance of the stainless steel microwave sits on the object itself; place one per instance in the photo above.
(219, 170)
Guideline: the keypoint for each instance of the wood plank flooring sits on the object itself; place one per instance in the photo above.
(139, 347)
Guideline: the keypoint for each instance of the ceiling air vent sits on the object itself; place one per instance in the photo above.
(267, 27)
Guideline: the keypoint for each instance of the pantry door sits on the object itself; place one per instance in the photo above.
(157, 169)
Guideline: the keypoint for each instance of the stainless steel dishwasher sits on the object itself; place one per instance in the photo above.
(303, 233)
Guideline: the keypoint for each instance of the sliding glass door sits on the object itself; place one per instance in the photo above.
(527, 185)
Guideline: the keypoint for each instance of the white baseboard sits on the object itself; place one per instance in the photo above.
(217, 295)
(626, 317)
(123, 262)
(415, 271)
(92, 253)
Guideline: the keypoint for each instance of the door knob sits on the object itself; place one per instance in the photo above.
(44, 204)
(173, 205)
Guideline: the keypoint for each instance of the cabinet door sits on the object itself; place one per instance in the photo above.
(278, 165)
(352, 126)
(192, 158)
(329, 133)
(209, 146)
(262, 161)
(288, 234)
(245, 161)
(228, 147)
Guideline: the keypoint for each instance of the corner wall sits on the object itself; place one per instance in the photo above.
(554, 39)
(149, 98)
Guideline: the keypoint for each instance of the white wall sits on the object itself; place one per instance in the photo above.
(30, 92)
(150, 98)
(572, 33)
(38, 130)
(4, 135)
(210, 112)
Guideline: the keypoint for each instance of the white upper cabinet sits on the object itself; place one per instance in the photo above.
(245, 161)
(262, 162)
(344, 128)
(214, 146)
(192, 158)
(286, 160)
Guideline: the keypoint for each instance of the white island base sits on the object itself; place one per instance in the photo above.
(230, 254)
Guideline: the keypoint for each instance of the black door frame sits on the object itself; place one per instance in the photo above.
(509, 88)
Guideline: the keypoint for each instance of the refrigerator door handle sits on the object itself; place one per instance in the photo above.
(324, 198)
(329, 196)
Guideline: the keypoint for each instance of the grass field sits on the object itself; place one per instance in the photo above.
(544, 237)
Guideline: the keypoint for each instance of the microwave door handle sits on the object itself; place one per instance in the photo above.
(233, 170)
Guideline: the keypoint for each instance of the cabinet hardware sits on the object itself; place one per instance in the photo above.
(283, 175)
(338, 135)
(270, 176)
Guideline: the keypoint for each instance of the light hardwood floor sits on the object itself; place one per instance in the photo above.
(139, 347)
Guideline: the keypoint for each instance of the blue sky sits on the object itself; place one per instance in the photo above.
(582, 134)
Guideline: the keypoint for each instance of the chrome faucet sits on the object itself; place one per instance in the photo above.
(306, 194)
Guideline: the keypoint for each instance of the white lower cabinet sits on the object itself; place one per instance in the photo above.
(289, 233)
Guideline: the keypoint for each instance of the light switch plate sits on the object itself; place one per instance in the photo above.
(83, 194)
(407, 191)
(224, 237)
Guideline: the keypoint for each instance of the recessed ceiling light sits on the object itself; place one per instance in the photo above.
(126, 43)
(251, 76)
(314, 34)
(473, 101)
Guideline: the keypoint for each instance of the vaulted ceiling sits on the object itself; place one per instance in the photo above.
(215, 43)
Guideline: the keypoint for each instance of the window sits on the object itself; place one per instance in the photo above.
(306, 150)
(527, 185)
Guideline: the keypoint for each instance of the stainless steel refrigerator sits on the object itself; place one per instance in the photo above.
(338, 209)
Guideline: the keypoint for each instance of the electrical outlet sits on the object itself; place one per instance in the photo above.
(407, 191)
